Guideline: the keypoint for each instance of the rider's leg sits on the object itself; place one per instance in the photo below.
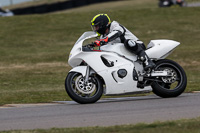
(138, 48)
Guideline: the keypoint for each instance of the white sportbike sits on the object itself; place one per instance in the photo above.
(113, 70)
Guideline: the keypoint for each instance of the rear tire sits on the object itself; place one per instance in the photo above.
(171, 86)
(83, 93)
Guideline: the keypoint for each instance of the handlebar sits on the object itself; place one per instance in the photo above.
(88, 47)
(91, 45)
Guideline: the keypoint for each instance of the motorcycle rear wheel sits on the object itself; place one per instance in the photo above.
(82, 92)
(171, 86)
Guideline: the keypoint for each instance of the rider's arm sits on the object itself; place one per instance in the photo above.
(116, 31)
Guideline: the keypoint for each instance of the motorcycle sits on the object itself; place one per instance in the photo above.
(168, 3)
(113, 70)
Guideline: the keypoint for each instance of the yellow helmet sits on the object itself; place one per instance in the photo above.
(100, 23)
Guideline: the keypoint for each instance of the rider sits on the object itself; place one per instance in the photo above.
(116, 33)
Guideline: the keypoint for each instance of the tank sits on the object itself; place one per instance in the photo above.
(119, 49)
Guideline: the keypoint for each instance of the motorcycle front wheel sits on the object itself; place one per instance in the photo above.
(173, 85)
(83, 92)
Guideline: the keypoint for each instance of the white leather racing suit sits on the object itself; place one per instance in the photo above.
(118, 34)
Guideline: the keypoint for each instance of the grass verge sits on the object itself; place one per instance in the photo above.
(179, 126)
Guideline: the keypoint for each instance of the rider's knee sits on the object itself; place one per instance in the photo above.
(134, 46)
(130, 45)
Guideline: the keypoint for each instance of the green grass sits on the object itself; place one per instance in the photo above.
(180, 126)
(34, 49)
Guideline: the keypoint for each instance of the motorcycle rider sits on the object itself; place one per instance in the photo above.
(116, 33)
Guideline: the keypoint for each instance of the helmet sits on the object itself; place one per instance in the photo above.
(100, 23)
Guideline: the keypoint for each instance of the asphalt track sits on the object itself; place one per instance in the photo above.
(106, 112)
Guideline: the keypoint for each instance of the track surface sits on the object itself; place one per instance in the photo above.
(106, 112)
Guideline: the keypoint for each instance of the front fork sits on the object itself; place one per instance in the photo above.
(89, 72)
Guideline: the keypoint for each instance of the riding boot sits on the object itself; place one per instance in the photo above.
(147, 62)
(138, 48)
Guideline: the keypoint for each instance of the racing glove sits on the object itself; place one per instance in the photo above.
(101, 42)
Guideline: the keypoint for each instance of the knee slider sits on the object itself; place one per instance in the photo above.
(139, 42)
(131, 43)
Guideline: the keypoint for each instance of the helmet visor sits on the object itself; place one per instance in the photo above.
(95, 28)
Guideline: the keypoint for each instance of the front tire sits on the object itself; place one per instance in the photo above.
(171, 86)
(82, 92)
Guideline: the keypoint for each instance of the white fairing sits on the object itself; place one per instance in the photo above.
(160, 49)
(120, 49)
(120, 57)
(79, 69)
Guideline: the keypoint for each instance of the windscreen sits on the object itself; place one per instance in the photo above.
(86, 34)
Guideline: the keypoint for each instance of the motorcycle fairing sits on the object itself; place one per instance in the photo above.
(160, 49)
